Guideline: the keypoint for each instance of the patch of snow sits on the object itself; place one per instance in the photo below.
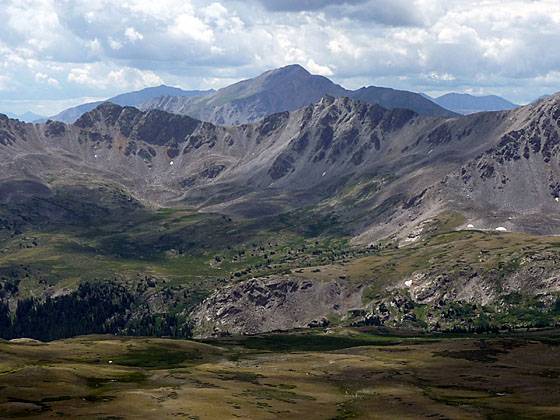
(324, 173)
(110, 362)
(408, 283)
(412, 238)
(558, 199)
(95, 156)
(171, 163)
(470, 226)
(501, 229)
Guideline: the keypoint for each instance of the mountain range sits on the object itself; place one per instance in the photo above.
(135, 98)
(338, 210)
(285, 89)
(470, 162)
(463, 103)
(27, 116)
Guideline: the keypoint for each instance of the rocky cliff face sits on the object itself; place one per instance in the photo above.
(483, 289)
(271, 304)
(517, 178)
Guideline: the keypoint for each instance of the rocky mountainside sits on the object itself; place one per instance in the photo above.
(285, 89)
(343, 211)
(136, 98)
(463, 103)
(412, 165)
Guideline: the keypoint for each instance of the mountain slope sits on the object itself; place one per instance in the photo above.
(126, 99)
(30, 117)
(520, 170)
(463, 103)
(312, 155)
(391, 98)
(289, 222)
(27, 117)
(285, 89)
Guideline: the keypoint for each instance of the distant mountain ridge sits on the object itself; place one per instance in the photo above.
(135, 98)
(394, 99)
(463, 103)
(26, 116)
(285, 89)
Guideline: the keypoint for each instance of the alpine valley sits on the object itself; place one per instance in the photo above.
(341, 212)
(328, 253)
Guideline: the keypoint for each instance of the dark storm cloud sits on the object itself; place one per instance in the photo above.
(301, 5)
(386, 12)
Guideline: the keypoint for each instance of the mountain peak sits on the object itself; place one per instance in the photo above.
(548, 106)
(555, 97)
(106, 112)
(327, 100)
(292, 69)
(293, 72)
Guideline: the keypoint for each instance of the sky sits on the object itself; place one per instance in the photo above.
(59, 53)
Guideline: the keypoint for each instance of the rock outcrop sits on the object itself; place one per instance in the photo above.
(270, 304)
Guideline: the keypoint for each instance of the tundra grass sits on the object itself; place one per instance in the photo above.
(393, 377)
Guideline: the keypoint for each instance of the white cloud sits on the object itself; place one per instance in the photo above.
(104, 77)
(133, 35)
(313, 67)
(441, 76)
(190, 27)
(158, 9)
(95, 46)
(45, 78)
(5, 82)
(115, 44)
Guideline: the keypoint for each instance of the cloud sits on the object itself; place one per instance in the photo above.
(102, 77)
(4, 83)
(303, 5)
(114, 44)
(387, 12)
(133, 35)
(190, 27)
(52, 49)
(45, 78)
(44, 107)
(313, 67)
